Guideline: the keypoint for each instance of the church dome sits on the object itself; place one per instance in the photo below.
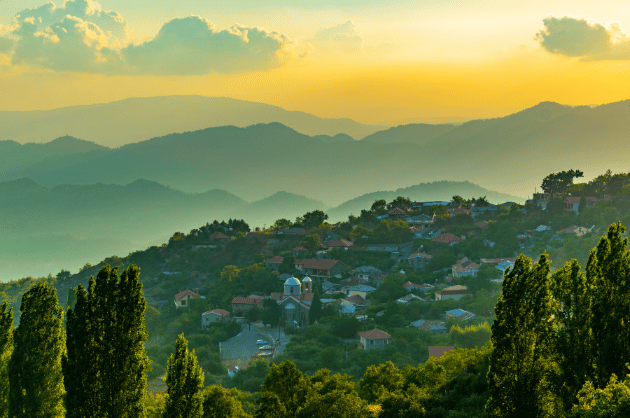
(306, 279)
(292, 281)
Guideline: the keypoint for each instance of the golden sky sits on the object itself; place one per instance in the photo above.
(426, 61)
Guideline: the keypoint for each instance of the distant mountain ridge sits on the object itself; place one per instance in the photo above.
(137, 119)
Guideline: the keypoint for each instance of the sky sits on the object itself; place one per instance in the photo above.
(373, 61)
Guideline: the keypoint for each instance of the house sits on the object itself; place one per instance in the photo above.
(539, 199)
(389, 248)
(436, 351)
(218, 236)
(500, 263)
(419, 205)
(361, 289)
(365, 272)
(578, 231)
(274, 263)
(374, 339)
(453, 292)
(572, 203)
(379, 279)
(464, 267)
(460, 314)
(182, 298)
(419, 260)
(482, 224)
(216, 315)
(326, 286)
(410, 298)
(480, 210)
(459, 211)
(342, 243)
(447, 238)
(232, 370)
(396, 212)
(298, 250)
(410, 287)
(240, 304)
(322, 268)
(425, 325)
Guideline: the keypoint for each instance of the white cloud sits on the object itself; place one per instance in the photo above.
(340, 38)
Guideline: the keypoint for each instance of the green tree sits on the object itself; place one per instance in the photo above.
(380, 381)
(314, 219)
(6, 348)
(184, 382)
(253, 314)
(457, 199)
(613, 401)
(271, 312)
(400, 202)
(608, 269)
(312, 243)
(559, 183)
(316, 308)
(522, 363)
(35, 376)
(288, 384)
(379, 205)
(281, 224)
(106, 362)
(219, 402)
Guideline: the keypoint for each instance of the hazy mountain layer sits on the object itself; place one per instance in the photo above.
(138, 119)
(43, 230)
(439, 190)
(417, 133)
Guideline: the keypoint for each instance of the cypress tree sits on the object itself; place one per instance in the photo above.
(6, 348)
(184, 381)
(316, 308)
(522, 362)
(608, 269)
(35, 377)
(106, 362)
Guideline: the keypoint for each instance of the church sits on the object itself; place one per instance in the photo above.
(295, 301)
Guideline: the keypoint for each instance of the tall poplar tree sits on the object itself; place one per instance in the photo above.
(106, 362)
(608, 269)
(6, 348)
(35, 377)
(522, 363)
(184, 381)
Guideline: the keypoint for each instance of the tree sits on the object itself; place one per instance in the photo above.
(522, 362)
(253, 314)
(288, 384)
(184, 381)
(271, 312)
(219, 402)
(316, 308)
(106, 363)
(314, 219)
(457, 199)
(608, 270)
(35, 377)
(559, 183)
(312, 243)
(379, 205)
(400, 202)
(281, 224)
(6, 348)
(380, 381)
(613, 401)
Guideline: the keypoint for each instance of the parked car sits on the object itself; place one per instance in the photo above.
(266, 348)
(261, 342)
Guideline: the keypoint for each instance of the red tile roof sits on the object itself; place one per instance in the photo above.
(446, 238)
(247, 300)
(396, 212)
(459, 211)
(275, 260)
(355, 300)
(221, 312)
(375, 334)
(321, 264)
(420, 255)
(185, 293)
(219, 235)
(300, 248)
(436, 351)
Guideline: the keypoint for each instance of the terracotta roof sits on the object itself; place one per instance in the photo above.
(356, 299)
(321, 264)
(452, 292)
(408, 284)
(446, 238)
(375, 334)
(459, 211)
(420, 255)
(275, 260)
(299, 248)
(221, 312)
(185, 293)
(247, 300)
(482, 224)
(396, 211)
(343, 243)
(219, 235)
(436, 351)
(496, 260)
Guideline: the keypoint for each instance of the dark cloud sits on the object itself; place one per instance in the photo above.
(81, 37)
(579, 38)
(193, 46)
(340, 38)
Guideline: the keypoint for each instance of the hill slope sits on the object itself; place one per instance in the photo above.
(137, 119)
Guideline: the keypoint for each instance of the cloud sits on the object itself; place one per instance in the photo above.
(193, 46)
(340, 38)
(578, 38)
(6, 45)
(81, 37)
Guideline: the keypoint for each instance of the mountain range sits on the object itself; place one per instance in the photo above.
(137, 119)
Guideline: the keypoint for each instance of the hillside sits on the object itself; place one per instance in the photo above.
(439, 190)
(417, 133)
(137, 119)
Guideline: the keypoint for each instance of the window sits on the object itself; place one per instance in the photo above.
(291, 290)
(183, 302)
(371, 342)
